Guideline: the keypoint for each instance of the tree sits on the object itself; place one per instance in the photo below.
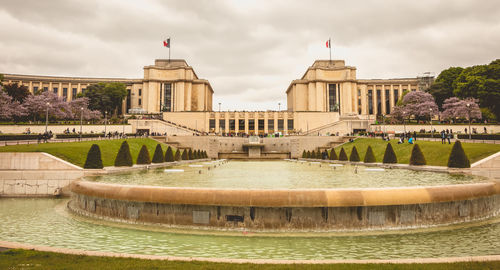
(185, 155)
(190, 154)
(143, 157)
(442, 88)
(169, 155)
(17, 92)
(369, 156)
(417, 157)
(342, 155)
(333, 155)
(417, 103)
(304, 154)
(177, 156)
(106, 97)
(354, 155)
(1, 81)
(308, 154)
(158, 154)
(58, 108)
(80, 107)
(94, 160)
(10, 109)
(455, 108)
(458, 158)
(123, 158)
(313, 154)
(318, 154)
(481, 82)
(389, 155)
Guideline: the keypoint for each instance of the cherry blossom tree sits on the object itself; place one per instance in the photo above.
(11, 110)
(80, 106)
(416, 103)
(38, 104)
(455, 108)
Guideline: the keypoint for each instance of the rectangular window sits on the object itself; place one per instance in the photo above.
(65, 92)
(211, 124)
(35, 89)
(232, 124)
(290, 124)
(251, 124)
(280, 124)
(45, 89)
(222, 124)
(370, 101)
(359, 101)
(167, 97)
(261, 124)
(140, 92)
(74, 92)
(55, 90)
(270, 125)
(128, 102)
(83, 90)
(379, 102)
(332, 97)
(396, 96)
(387, 101)
(140, 102)
(241, 125)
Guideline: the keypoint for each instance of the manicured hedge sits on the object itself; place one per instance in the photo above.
(458, 158)
(143, 157)
(18, 137)
(304, 154)
(333, 155)
(354, 155)
(169, 155)
(389, 155)
(185, 155)
(85, 135)
(124, 158)
(158, 154)
(177, 156)
(369, 156)
(342, 155)
(94, 160)
(417, 157)
(480, 136)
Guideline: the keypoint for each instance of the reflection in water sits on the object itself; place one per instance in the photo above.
(36, 221)
(285, 175)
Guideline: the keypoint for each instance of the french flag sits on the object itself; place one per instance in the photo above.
(166, 43)
(328, 44)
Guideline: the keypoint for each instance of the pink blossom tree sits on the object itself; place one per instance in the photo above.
(11, 110)
(79, 108)
(455, 108)
(38, 104)
(418, 104)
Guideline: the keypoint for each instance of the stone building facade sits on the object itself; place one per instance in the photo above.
(328, 99)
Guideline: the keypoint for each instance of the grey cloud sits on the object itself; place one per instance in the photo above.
(248, 50)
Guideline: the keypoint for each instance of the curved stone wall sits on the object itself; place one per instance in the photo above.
(301, 210)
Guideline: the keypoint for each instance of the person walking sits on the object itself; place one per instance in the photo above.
(443, 137)
(449, 137)
(414, 135)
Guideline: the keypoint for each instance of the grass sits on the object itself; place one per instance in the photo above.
(76, 152)
(435, 153)
(30, 259)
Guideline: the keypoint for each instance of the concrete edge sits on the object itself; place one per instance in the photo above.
(14, 245)
(488, 158)
(61, 160)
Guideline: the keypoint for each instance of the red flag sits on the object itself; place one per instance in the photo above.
(166, 43)
(328, 43)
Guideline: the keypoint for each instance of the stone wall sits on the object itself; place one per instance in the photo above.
(35, 174)
(16, 129)
(438, 128)
(488, 167)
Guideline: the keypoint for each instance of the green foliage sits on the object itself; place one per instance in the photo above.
(369, 156)
(308, 154)
(195, 154)
(169, 155)
(342, 155)
(190, 154)
(177, 156)
(313, 154)
(458, 158)
(488, 115)
(1, 79)
(105, 97)
(143, 157)
(318, 155)
(158, 154)
(123, 158)
(185, 155)
(417, 157)
(389, 155)
(199, 154)
(304, 154)
(16, 92)
(354, 155)
(333, 154)
(442, 88)
(94, 160)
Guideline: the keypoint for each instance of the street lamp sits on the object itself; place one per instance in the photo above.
(279, 106)
(219, 106)
(383, 125)
(105, 122)
(404, 123)
(47, 117)
(468, 114)
(430, 116)
(81, 122)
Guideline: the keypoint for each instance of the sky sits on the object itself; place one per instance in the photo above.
(250, 51)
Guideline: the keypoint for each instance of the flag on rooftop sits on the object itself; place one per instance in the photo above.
(166, 43)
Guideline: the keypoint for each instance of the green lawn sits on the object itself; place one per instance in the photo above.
(435, 153)
(29, 259)
(76, 152)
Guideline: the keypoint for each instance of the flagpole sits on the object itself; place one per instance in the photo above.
(330, 47)
(169, 50)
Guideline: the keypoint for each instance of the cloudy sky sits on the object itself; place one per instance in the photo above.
(250, 51)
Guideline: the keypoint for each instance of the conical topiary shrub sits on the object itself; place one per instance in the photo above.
(190, 154)
(185, 155)
(204, 154)
(123, 158)
(169, 155)
(177, 156)
(333, 155)
(313, 154)
(308, 154)
(458, 158)
(158, 154)
(342, 155)
(304, 154)
(417, 157)
(318, 154)
(389, 155)
(200, 156)
(369, 156)
(143, 157)
(354, 155)
(94, 160)
(195, 154)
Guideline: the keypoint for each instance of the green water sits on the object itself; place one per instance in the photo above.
(46, 222)
(284, 175)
